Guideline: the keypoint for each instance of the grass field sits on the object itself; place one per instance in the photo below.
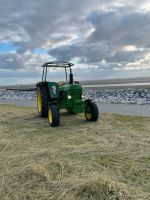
(109, 159)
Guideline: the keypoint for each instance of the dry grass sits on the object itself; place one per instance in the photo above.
(76, 161)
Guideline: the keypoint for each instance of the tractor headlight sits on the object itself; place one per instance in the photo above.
(83, 96)
(69, 96)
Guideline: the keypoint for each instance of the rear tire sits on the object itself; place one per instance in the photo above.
(53, 115)
(91, 112)
(42, 101)
(39, 101)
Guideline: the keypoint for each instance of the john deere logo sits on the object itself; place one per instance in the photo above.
(54, 89)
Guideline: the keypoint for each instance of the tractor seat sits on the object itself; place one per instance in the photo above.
(60, 84)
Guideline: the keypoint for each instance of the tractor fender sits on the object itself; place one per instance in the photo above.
(54, 103)
(88, 100)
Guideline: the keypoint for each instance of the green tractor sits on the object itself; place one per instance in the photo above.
(53, 96)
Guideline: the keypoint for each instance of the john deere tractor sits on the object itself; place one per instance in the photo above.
(53, 96)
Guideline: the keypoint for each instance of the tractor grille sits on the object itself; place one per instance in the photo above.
(77, 94)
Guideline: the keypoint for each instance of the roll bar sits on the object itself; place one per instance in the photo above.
(59, 64)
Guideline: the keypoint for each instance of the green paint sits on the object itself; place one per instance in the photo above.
(67, 96)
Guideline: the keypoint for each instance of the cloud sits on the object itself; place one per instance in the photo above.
(89, 32)
(114, 33)
(121, 28)
(11, 60)
(30, 25)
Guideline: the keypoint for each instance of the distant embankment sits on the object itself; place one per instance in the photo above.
(140, 82)
(117, 81)
(135, 83)
(21, 87)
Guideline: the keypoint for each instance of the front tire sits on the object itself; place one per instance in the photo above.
(53, 115)
(91, 112)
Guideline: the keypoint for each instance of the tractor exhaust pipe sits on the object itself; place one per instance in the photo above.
(70, 77)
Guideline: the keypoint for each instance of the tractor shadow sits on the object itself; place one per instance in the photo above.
(66, 120)
(72, 120)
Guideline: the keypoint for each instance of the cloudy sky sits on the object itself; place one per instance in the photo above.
(105, 39)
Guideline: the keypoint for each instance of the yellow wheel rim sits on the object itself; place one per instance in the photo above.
(50, 115)
(88, 115)
(39, 102)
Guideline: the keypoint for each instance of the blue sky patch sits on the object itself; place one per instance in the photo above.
(6, 47)
(39, 51)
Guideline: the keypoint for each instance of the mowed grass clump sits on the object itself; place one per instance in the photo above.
(78, 160)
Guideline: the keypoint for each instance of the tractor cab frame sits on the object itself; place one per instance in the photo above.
(64, 65)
